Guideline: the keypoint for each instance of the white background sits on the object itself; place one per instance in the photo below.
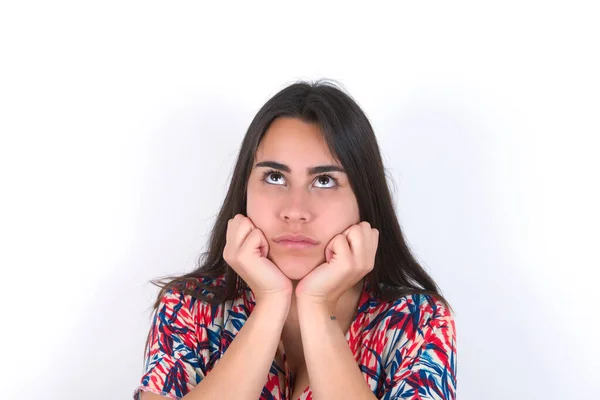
(120, 123)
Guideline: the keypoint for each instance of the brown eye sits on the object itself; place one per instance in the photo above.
(273, 178)
(326, 182)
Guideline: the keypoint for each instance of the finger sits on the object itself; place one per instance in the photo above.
(355, 238)
(348, 229)
(338, 247)
(371, 235)
(248, 220)
(328, 254)
(230, 233)
(256, 240)
(239, 230)
(366, 229)
(373, 249)
(364, 225)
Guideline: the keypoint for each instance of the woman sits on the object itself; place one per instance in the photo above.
(308, 289)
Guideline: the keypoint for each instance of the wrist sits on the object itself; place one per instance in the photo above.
(315, 315)
(315, 305)
(275, 306)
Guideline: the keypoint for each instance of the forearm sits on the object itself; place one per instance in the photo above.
(332, 369)
(242, 371)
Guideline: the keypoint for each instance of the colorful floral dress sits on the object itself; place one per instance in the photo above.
(405, 348)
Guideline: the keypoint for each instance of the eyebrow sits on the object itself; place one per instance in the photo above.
(311, 171)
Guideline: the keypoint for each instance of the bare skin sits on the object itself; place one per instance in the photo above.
(294, 201)
(292, 339)
(296, 187)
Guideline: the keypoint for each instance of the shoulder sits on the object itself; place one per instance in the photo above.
(186, 303)
(414, 340)
(416, 315)
(407, 328)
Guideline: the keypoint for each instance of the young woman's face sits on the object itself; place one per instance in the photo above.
(297, 188)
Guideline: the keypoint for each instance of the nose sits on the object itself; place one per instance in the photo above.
(296, 207)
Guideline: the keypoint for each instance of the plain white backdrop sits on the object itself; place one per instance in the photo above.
(120, 123)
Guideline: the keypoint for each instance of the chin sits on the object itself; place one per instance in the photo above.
(295, 268)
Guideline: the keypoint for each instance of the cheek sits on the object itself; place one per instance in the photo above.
(259, 208)
(338, 215)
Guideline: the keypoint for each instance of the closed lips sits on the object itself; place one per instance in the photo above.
(295, 238)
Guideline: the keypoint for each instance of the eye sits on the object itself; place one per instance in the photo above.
(327, 181)
(273, 177)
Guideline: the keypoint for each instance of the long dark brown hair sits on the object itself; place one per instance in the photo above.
(352, 142)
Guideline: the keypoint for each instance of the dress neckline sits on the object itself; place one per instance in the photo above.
(350, 336)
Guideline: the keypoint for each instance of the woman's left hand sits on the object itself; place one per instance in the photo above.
(349, 256)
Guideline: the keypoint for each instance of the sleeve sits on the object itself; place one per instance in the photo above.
(176, 358)
(424, 367)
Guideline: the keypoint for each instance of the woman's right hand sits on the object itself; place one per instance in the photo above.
(246, 252)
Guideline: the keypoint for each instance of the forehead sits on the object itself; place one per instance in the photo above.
(294, 142)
